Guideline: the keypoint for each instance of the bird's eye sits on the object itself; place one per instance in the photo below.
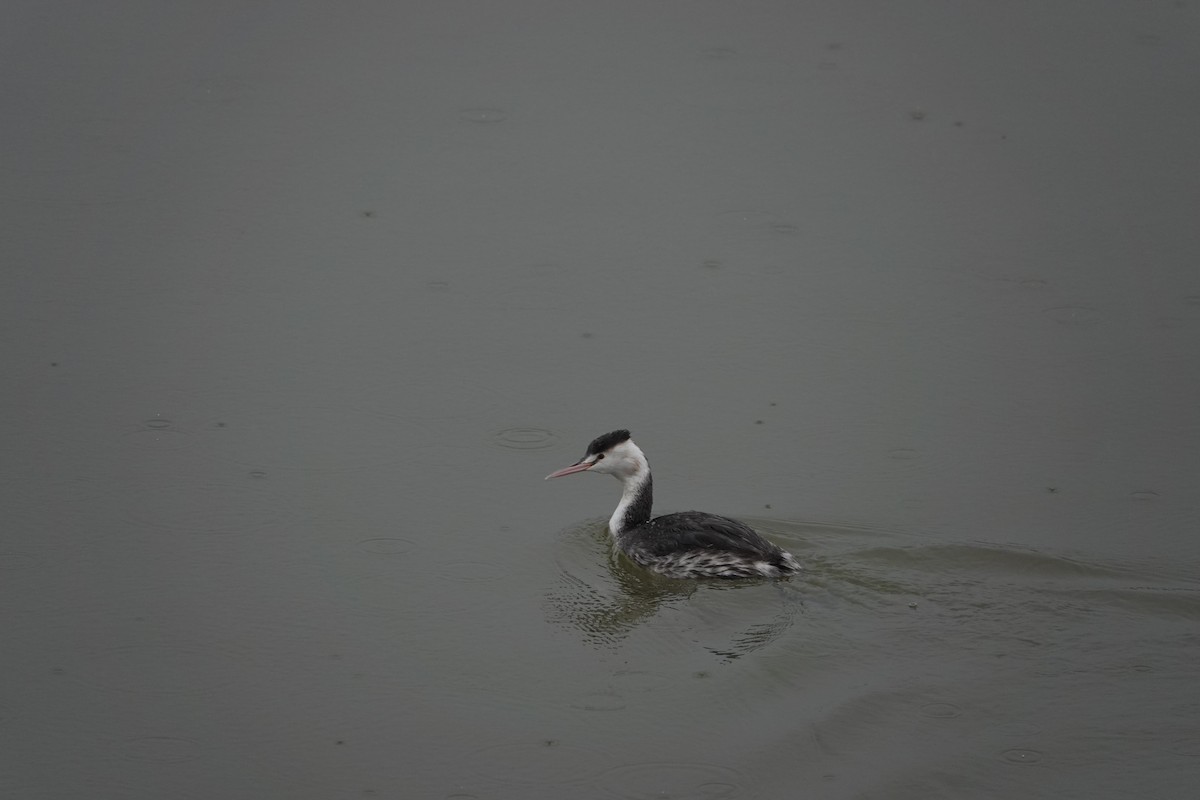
(600, 457)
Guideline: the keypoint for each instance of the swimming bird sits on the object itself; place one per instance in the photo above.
(691, 544)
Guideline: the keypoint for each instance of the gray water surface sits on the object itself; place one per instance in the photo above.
(300, 303)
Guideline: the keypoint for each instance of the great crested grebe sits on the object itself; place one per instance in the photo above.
(691, 544)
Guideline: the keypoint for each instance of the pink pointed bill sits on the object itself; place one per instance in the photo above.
(580, 467)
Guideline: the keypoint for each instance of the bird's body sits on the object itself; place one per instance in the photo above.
(690, 544)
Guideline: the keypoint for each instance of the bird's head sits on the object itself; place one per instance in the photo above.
(613, 454)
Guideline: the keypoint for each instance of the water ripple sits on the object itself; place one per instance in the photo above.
(525, 438)
(941, 710)
(1021, 755)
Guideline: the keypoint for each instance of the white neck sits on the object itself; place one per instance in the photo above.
(629, 493)
(637, 492)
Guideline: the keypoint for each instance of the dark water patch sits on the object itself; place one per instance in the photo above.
(1073, 315)
(161, 749)
(211, 509)
(216, 90)
(448, 399)
(379, 584)
(380, 575)
(472, 571)
(40, 503)
(666, 780)
(334, 744)
(159, 433)
(599, 701)
(1190, 709)
(161, 668)
(86, 161)
(641, 681)
(387, 546)
(1186, 746)
(941, 710)
(15, 560)
(316, 438)
(543, 762)
(1157, 602)
(1174, 323)
(1018, 730)
(747, 220)
(482, 699)
(530, 298)
(483, 116)
(753, 224)
(948, 557)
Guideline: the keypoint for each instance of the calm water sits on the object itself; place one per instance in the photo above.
(300, 304)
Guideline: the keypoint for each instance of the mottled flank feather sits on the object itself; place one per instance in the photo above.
(716, 564)
(693, 544)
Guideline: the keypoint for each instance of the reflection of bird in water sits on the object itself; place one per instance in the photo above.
(605, 602)
(691, 544)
